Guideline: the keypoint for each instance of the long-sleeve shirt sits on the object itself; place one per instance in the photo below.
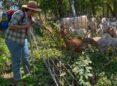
(18, 35)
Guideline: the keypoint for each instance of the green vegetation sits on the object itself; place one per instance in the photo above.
(89, 68)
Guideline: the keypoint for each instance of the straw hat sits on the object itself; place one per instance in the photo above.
(32, 5)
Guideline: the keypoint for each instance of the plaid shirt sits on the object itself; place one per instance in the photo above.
(17, 35)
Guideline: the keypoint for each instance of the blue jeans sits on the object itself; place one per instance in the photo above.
(19, 53)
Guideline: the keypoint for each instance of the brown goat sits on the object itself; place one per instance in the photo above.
(75, 43)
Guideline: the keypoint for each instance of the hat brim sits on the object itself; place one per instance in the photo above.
(34, 9)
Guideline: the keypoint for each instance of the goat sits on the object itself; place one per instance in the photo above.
(105, 42)
(75, 43)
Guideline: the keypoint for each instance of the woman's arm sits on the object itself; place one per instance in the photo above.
(19, 26)
(15, 19)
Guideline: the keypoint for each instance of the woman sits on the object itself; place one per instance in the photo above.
(16, 38)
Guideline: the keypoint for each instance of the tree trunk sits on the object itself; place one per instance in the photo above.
(115, 7)
(60, 8)
(93, 7)
(111, 10)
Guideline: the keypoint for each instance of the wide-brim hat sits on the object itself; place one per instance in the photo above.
(32, 5)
